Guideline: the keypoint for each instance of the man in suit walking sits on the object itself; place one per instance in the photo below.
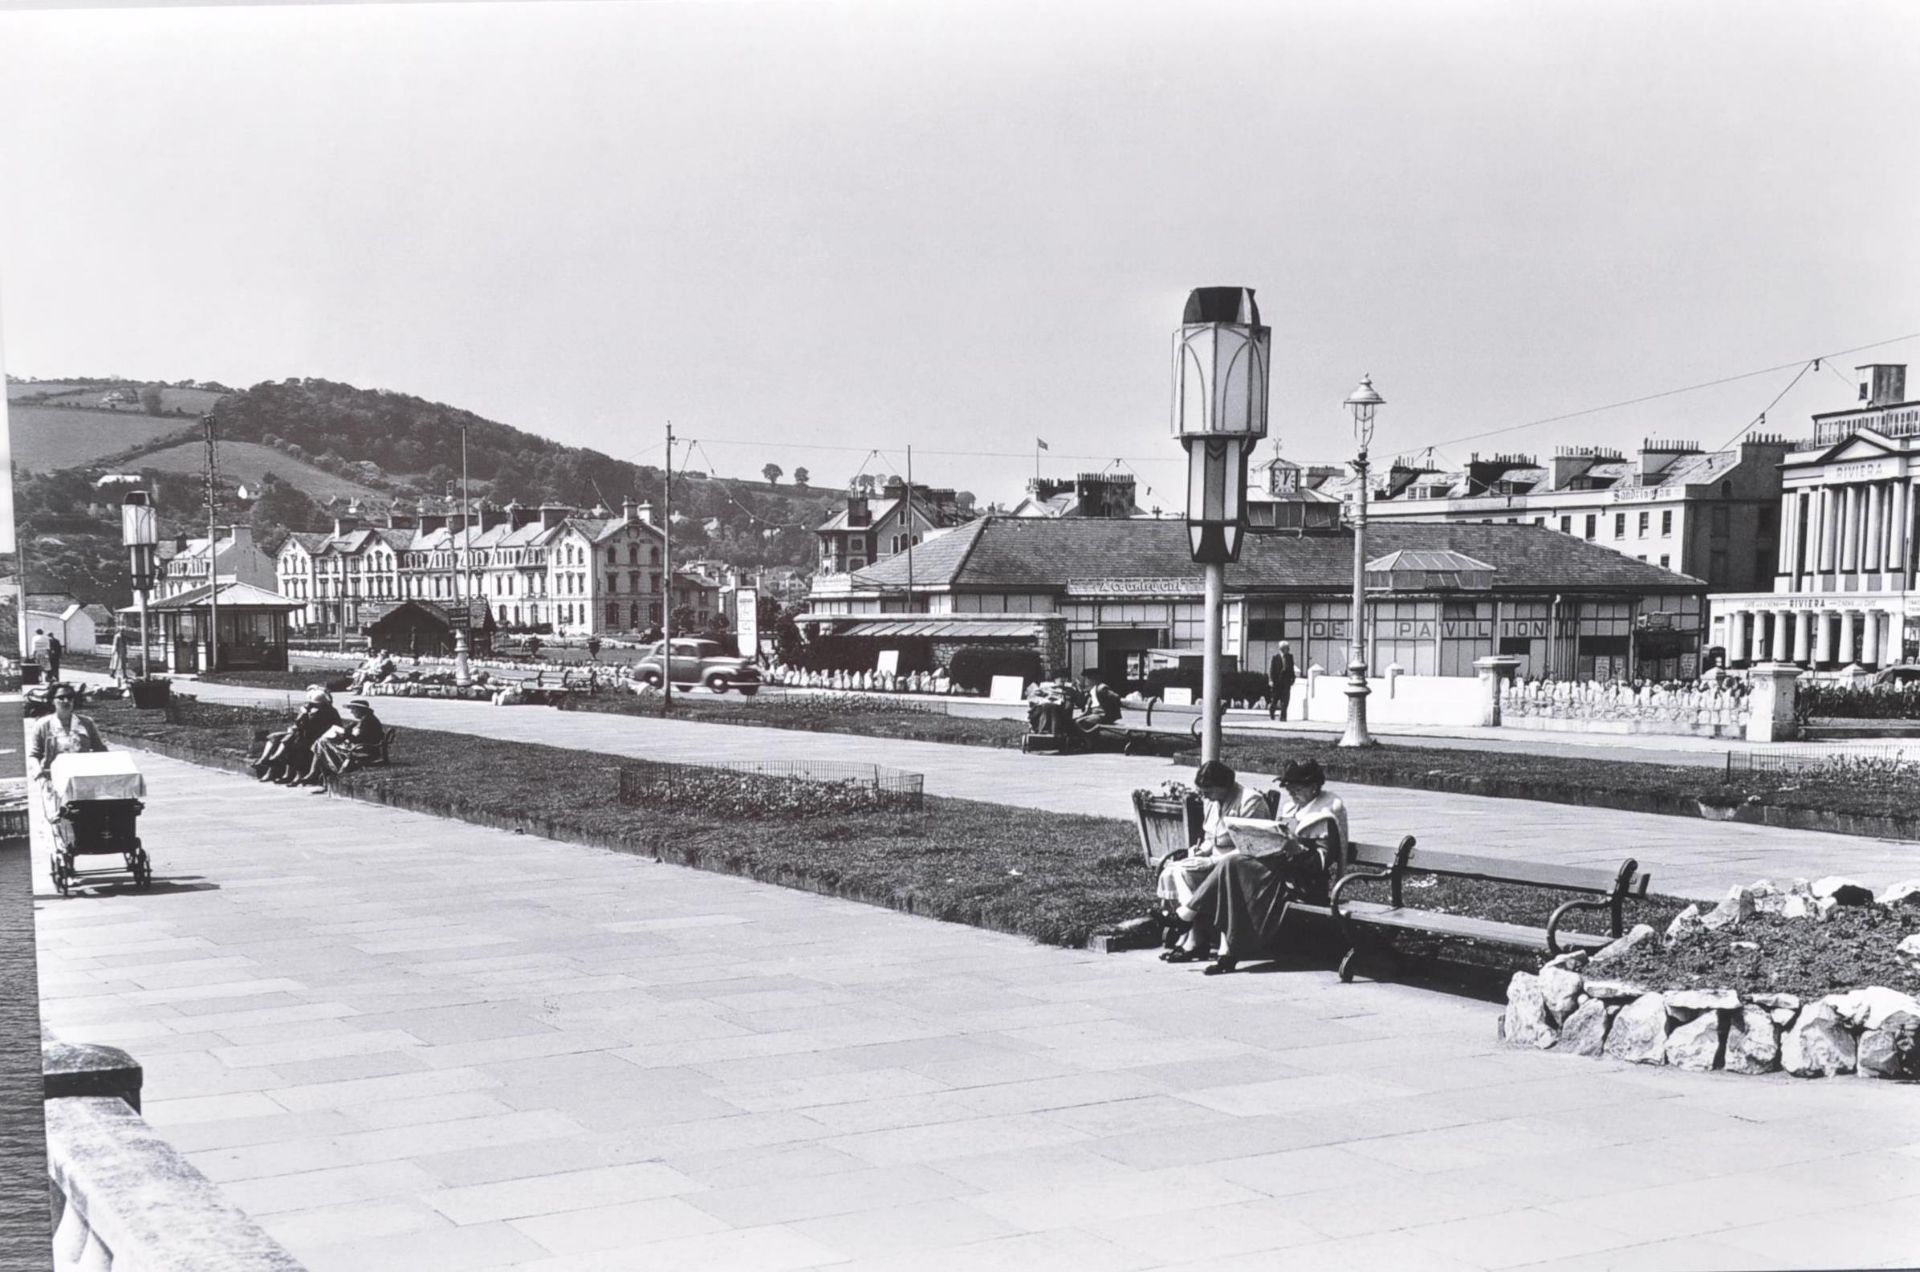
(1280, 674)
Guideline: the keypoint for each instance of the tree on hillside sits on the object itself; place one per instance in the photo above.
(150, 400)
(772, 473)
(800, 478)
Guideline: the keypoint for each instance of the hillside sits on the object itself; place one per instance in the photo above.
(304, 447)
(249, 463)
(48, 438)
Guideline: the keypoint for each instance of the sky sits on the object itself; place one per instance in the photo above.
(805, 231)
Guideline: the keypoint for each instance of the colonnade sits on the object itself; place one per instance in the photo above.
(1836, 637)
(1854, 528)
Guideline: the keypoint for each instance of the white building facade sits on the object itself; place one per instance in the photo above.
(1844, 593)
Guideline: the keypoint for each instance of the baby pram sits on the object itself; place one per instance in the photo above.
(94, 805)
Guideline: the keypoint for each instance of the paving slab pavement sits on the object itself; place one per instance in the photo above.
(1687, 856)
(404, 1042)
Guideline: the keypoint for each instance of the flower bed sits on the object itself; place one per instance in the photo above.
(1816, 979)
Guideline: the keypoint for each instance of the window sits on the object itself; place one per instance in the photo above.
(613, 607)
(1619, 525)
(1666, 562)
(1645, 517)
(1539, 521)
(1718, 523)
(1666, 523)
(613, 558)
(1566, 525)
(1591, 519)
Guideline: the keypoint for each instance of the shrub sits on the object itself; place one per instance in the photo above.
(974, 669)
(1851, 702)
(750, 796)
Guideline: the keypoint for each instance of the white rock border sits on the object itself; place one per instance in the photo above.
(1570, 1005)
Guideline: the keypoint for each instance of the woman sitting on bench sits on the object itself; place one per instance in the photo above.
(289, 752)
(1242, 900)
(1222, 796)
(347, 748)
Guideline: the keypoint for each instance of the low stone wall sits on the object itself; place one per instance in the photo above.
(1574, 1005)
(124, 1198)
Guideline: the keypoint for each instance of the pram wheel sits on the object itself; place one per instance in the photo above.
(142, 867)
(62, 874)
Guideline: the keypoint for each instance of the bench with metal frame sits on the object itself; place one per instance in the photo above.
(1603, 890)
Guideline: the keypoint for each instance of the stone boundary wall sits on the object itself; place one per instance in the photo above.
(124, 1198)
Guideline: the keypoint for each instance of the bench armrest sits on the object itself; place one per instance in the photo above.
(1553, 924)
(1356, 876)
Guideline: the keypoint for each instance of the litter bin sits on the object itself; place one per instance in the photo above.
(151, 695)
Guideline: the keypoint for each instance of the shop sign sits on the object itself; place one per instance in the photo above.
(1134, 587)
(1643, 494)
(1467, 629)
(1529, 628)
(1864, 470)
(1326, 629)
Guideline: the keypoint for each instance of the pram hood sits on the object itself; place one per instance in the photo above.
(97, 775)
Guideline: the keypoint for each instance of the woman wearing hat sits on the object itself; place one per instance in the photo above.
(289, 752)
(341, 749)
(1244, 898)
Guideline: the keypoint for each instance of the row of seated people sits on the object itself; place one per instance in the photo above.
(320, 743)
(1223, 898)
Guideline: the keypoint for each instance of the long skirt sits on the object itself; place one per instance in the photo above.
(1246, 897)
(1178, 879)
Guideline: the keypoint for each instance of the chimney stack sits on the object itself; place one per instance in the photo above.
(518, 515)
(1882, 383)
(645, 512)
(552, 514)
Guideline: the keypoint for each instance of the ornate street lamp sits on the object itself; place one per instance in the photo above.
(139, 533)
(1362, 402)
(1220, 367)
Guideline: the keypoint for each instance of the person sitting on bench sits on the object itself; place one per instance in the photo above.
(1221, 796)
(1103, 704)
(290, 751)
(343, 749)
(1243, 899)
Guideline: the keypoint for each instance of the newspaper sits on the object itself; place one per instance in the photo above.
(1258, 837)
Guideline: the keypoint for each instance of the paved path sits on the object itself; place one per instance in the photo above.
(1688, 857)
(408, 1043)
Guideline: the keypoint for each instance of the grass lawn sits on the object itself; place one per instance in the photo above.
(1053, 877)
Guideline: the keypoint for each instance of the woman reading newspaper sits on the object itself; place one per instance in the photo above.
(1222, 797)
(1241, 901)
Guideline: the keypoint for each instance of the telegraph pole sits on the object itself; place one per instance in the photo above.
(666, 603)
(213, 551)
(909, 529)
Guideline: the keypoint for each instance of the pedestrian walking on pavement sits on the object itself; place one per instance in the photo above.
(117, 663)
(54, 650)
(1280, 677)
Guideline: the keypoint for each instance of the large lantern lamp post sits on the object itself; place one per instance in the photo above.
(139, 533)
(1361, 402)
(1220, 366)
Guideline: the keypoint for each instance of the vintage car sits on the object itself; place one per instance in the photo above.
(699, 662)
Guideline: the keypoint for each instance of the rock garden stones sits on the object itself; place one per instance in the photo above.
(1696, 1044)
(1906, 892)
(1818, 1044)
(1842, 891)
(1584, 1033)
(1753, 1041)
(1526, 1023)
(1685, 924)
(1561, 990)
(1737, 906)
(1892, 1050)
(1606, 954)
(1639, 1031)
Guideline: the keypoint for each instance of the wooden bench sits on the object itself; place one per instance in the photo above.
(1603, 890)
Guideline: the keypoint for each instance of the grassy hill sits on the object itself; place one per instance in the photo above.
(248, 463)
(48, 438)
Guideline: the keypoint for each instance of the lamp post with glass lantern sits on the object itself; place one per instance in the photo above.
(1220, 367)
(139, 533)
(1362, 403)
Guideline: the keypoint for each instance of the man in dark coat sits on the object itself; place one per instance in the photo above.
(1280, 676)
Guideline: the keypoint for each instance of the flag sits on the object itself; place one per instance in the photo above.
(1039, 444)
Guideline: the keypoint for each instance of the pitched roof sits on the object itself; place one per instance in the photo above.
(1041, 554)
(237, 595)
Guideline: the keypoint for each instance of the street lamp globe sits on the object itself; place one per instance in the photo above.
(1362, 402)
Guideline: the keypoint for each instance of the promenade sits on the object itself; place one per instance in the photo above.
(404, 1043)
(1688, 856)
